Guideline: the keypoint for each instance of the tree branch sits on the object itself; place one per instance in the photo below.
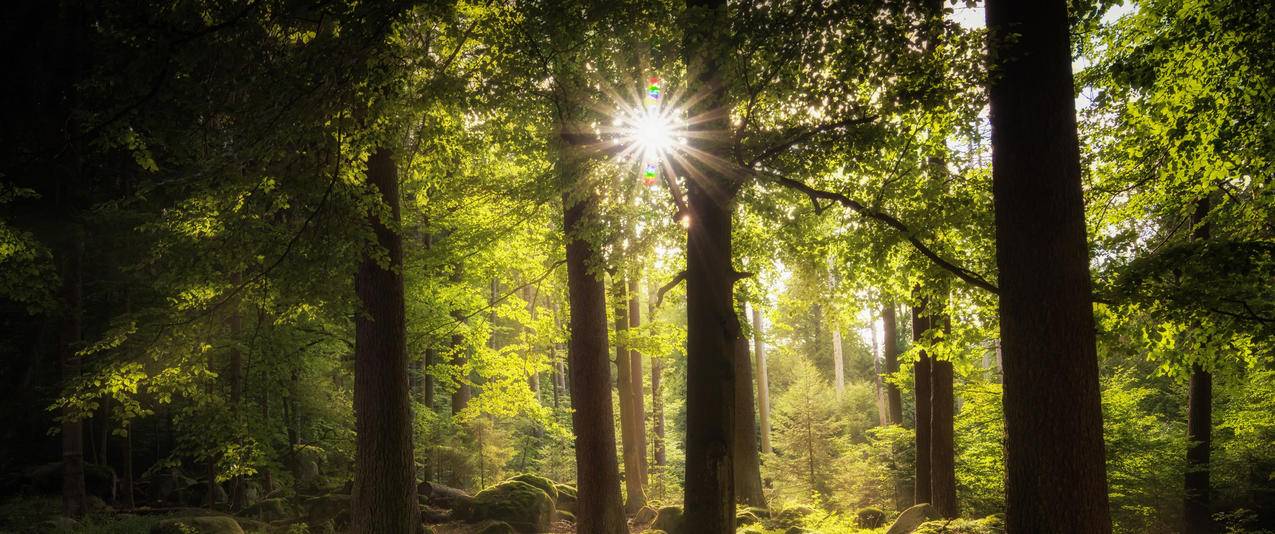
(659, 295)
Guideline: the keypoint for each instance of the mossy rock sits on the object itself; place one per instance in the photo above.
(988, 525)
(644, 516)
(538, 481)
(566, 497)
(668, 519)
(495, 527)
(869, 517)
(267, 510)
(334, 507)
(913, 517)
(213, 524)
(526, 508)
(564, 515)
(746, 518)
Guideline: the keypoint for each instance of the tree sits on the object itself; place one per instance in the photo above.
(922, 376)
(629, 422)
(748, 488)
(807, 436)
(890, 353)
(1056, 477)
(384, 493)
(763, 387)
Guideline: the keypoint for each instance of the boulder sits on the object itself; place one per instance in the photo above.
(431, 515)
(526, 508)
(566, 497)
(213, 524)
(988, 525)
(644, 516)
(441, 496)
(332, 507)
(913, 517)
(668, 519)
(494, 527)
(564, 515)
(538, 481)
(869, 518)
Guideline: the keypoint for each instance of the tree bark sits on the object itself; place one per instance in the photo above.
(890, 353)
(763, 388)
(838, 362)
(384, 494)
(923, 381)
(74, 498)
(748, 489)
(712, 327)
(598, 475)
(460, 397)
(635, 362)
(635, 496)
(942, 448)
(1199, 424)
(1054, 452)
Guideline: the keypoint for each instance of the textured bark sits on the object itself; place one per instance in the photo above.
(763, 388)
(748, 489)
(710, 317)
(635, 497)
(922, 379)
(1054, 456)
(635, 363)
(890, 353)
(74, 499)
(460, 397)
(1199, 424)
(657, 394)
(942, 453)
(598, 475)
(383, 500)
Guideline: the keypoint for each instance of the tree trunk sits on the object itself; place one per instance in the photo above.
(942, 451)
(922, 378)
(1054, 457)
(712, 326)
(635, 496)
(74, 498)
(635, 362)
(598, 475)
(657, 400)
(383, 500)
(1199, 423)
(126, 452)
(235, 375)
(460, 397)
(890, 353)
(838, 362)
(763, 388)
(748, 489)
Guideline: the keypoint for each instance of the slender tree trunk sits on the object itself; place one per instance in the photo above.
(635, 496)
(74, 498)
(126, 452)
(763, 388)
(235, 375)
(838, 362)
(890, 353)
(384, 495)
(923, 380)
(1055, 462)
(598, 475)
(460, 397)
(878, 389)
(942, 448)
(748, 489)
(657, 394)
(1199, 424)
(712, 326)
(635, 362)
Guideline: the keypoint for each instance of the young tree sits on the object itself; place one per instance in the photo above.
(890, 353)
(763, 387)
(1056, 475)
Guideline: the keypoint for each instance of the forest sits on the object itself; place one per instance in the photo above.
(612, 267)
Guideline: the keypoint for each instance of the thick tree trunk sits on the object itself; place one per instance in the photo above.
(710, 317)
(635, 363)
(74, 499)
(748, 489)
(1054, 457)
(923, 383)
(1199, 424)
(635, 497)
(890, 353)
(763, 388)
(838, 362)
(598, 475)
(384, 496)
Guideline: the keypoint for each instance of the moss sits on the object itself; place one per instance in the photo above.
(198, 525)
(495, 527)
(566, 497)
(538, 481)
(668, 519)
(989, 525)
(869, 517)
(525, 507)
